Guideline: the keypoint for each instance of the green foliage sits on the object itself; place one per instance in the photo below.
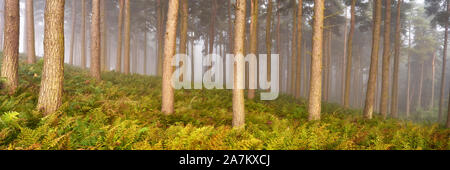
(123, 113)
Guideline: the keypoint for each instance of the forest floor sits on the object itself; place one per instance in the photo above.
(122, 112)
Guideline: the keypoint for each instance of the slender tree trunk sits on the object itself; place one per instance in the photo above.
(2, 24)
(348, 72)
(160, 16)
(315, 93)
(169, 50)
(119, 37)
(386, 60)
(95, 40)
(144, 65)
(212, 27)
(408, 91)
(50, 95)
(31, 52)
(444, 62)
(269, 38)
(344, 58)
(72, 38)
(126, 57)
(83, 34)
(433, 75)
(253, 41)
(419, 98)
(328, 66)
(10, 63)
(230, 28)
(293, 49)
(103, 26)
(305, 76)
(372, 83)
(183, 30)
(238, 92)
(279, 41)
(299, 49)
(394, 104)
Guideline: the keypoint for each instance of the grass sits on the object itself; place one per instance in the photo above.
(123, 113)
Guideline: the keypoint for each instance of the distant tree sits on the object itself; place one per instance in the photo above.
(83, 34)
(372, 83)
(126, 57)
(169, 52)
(299, 49)
(10, 64)
(72, 38)
(394, 100)
(315, 92)
(50, 94)
(120, 36)
(253, 40)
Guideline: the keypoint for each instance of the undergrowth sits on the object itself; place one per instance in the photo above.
(122, 112)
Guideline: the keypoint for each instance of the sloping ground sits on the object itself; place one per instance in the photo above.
(122, 112)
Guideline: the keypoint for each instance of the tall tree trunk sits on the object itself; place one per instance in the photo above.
(10, 63)
(344, 58)
(315, 93)
(279, 41)
(95, 40)
(239, 69)
(169, 50)
(72, 38)
(293, 49)
(386, 60)
(83, 34)
(305, 76)
(103, 26)
(144, 65)
(119, 37)
(328, 66)
(31, 52)
(160, 16)
(126, 57)
(419, 97)
(433, 75)
(2, 24)
(299, 49)
(372, 83)
(253, 41)
(348, 72)
(212, 27)
(408, 88)
(444, 62)
(394, 104)
(50, 95)
(269, 38)
(183, 31)
(230, 28)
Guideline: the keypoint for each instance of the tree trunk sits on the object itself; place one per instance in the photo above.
(269, 38)
(212, 27)
(419, 97)
(144, 65)
(31, 52)
(293, 49)
(279, 42)
(299, 49)
(386, 60)
(95, 40)
(83, 34)
(119, 37)
(126, 57)
(348, 72)
(50, 95)
(433, 75)
(238, 92)
(444, 62)
(408, 91)
(169, 50)
(72, 38)
(315, 93)
(344, 58)
(103, 57)
(372, 83)
(160, 16)
(253, 41)
(10, 63)
(230, 28)
(394, 104)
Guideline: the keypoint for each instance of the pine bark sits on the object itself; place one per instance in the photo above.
(293, 51)
(386, 60)
(299, 49)
(126, 57)
(72, 38)
(394, 100)
(238, 93)
(160, 17)
(315, 93)
(169, 50)
(50, 95)
(95, 41)
(83, 34)
(253, 40)
(119, 37)
(444, 63)
(10, 64)
(31, 52)
(103, 26)
(372, 82)
(348, 71)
